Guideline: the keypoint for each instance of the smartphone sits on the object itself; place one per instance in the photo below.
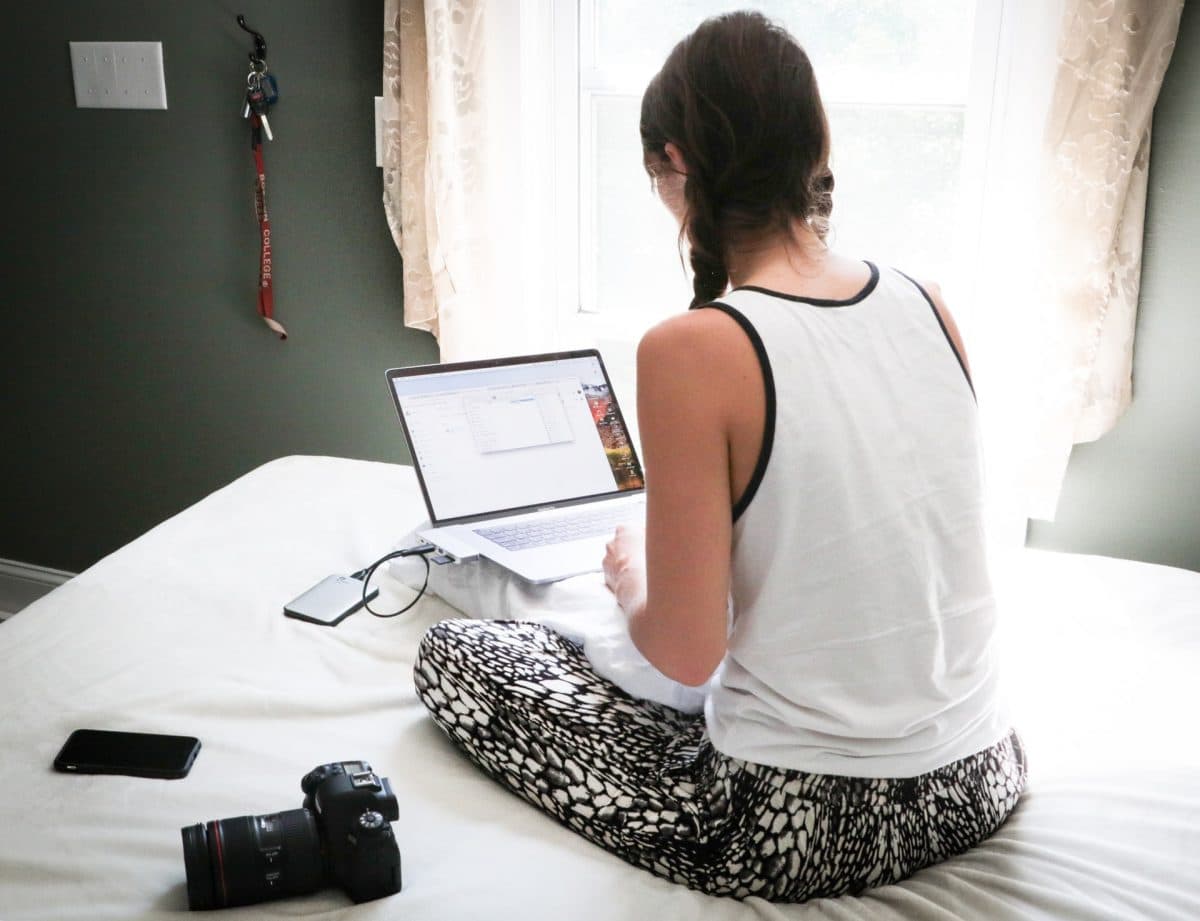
(330, 601)
(138, 754)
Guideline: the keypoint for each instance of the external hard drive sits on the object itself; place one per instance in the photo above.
(330, 601)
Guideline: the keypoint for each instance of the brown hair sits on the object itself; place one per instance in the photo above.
(739, 99)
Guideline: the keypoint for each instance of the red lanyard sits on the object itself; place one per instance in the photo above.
(266, 299)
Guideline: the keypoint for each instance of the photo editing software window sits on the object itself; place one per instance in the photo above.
(489, 439)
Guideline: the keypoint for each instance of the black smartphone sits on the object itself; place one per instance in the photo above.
(139, 754)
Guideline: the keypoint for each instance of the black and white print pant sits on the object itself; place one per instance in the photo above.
(642, 780)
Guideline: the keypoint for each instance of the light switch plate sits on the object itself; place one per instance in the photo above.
(118, 75)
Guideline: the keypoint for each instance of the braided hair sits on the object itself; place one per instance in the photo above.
(738, 97)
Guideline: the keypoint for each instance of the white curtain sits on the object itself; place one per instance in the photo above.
(1060, 246)
(1066, 135)
(457, 177)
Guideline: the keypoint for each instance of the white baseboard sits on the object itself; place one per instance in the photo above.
(24, 583)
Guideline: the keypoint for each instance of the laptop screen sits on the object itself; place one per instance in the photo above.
(513, 434)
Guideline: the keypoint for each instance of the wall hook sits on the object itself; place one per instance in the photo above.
(259, 56)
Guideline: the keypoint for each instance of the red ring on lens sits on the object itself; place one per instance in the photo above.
(215, 830)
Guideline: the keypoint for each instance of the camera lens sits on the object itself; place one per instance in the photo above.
(250, 859)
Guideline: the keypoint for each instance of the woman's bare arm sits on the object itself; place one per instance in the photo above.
(677, 604)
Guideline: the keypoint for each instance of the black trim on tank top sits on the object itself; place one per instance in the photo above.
(823, 301)
(945, 332)
(768, 440)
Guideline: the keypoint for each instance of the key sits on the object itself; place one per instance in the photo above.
(256, 101)
(253, 82)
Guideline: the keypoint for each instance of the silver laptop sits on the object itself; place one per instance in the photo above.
(525, 461)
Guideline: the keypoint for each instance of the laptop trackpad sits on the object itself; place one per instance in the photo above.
(551, 563)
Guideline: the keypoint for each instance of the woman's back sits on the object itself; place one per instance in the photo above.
(863, 611)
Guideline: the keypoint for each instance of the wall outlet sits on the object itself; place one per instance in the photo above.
(118, 75)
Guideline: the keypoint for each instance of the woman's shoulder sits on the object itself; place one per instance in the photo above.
(698, 339)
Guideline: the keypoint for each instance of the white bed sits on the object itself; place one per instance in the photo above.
(181, 632)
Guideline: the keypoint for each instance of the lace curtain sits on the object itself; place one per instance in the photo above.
(1112, 56)
(454, 173)
(1062, 232)
(429, 95)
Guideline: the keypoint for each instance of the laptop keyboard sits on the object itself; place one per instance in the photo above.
(525, 535)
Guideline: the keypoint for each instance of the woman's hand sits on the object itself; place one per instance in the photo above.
(625, 568)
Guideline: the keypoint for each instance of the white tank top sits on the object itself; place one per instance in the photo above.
(863, 613)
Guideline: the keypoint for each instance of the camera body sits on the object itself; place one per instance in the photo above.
(341, 835)
(354, 807)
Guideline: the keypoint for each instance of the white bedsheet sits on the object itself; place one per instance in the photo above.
(181, 632)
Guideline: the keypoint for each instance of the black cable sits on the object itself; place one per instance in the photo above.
(421, 550)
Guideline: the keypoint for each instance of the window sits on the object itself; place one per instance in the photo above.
(897, 78)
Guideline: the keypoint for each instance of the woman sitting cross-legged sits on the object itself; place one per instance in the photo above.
(814, 542)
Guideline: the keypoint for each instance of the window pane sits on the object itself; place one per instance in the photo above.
(894, 77)
(893, 50)
(896, 173)
(896, 181)
(634, 261)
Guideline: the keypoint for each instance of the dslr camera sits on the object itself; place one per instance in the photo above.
(341, 836)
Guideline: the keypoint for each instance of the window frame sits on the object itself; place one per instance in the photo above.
(552, 89)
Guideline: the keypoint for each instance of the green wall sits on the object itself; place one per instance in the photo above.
(1135, 493)
(138, 377)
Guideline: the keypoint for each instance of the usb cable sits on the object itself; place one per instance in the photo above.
(364, 575)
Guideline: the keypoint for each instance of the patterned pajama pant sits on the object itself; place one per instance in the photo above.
(642, 780)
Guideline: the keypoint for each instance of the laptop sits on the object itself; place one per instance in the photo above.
(525, 461)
